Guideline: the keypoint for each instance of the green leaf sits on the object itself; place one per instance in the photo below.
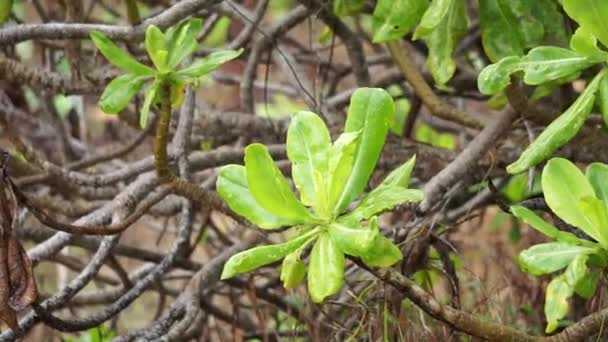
(383, 253)
(270, 188)
(203, 66)
(587, 284)
(603, 94)
(595, 212)
(119, 92)
(496, 77)
(432, 17)
(149, 97)
(443, 40)
(590, 15)
(5, 10)
(401, 175)
(355, 241)
(597, 174)
(233, 188)
(549, 257)
(371, 111)
(182, 41)
(118, 57)
(548, 63)
(155, 45)
(259, 256)
(549, 13)
(585, 44)
(393, 18)
(345, 8)
(576, 270)
(559, 132)
(341, 162)
(564, 186)
(556, 302)
(529, 217)
(384, 198)
(500, 33)
(308, 144)
(293, 270)
(326, 269)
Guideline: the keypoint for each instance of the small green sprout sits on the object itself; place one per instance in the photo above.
(166, 51)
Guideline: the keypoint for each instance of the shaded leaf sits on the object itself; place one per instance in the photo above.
(293, 270)
(559, 132)
(443, 40)
(119, 92)
(500, 34)
(5, 10)
(383, 253)
(344, 8)
(587, 285)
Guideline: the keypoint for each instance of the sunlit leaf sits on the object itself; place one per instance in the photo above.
(326, 269)
(118, 57)
(232, 186)
(254, 258)
(371, 110)
(270, 188)
(392, 19)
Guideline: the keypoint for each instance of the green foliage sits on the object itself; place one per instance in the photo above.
(328, 177)
(344, 8)
(97, 334)
(441, 28)
(560, 131)
(393, 18)
(167, 51)
(5, 10)
(578, 199)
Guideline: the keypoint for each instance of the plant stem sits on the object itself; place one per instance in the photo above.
(423, 90)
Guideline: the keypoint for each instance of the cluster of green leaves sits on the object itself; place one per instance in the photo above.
(167, 51)
(580, 200)
(547, 66)
(329, 177)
